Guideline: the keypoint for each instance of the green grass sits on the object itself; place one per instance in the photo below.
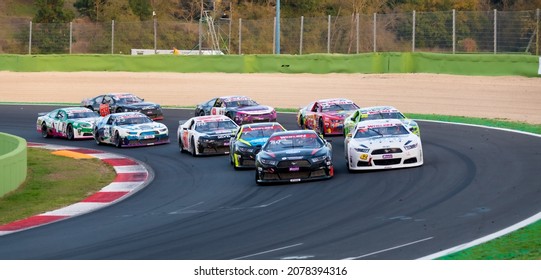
(52, 183)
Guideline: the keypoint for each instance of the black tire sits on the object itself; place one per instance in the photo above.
(69, 132)
(193, 150)
(321, 127)
(180, 145)
(44, 131)
(301, 123)
(118, 140)
(97, 137)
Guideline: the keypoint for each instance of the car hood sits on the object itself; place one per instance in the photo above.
(256, 109)
(382, 142)
(84, 120)
(295, 154)
(221, 132)
(143, 126)
(257, 141)
(339, 114)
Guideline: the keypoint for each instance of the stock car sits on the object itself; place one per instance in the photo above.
(326, 115)
(206, 135)
(124, 102)
(248, 140)
(378, 112)
(71, 123)
(382, 144)
(240, 109)
(130, 129)
(294, 156)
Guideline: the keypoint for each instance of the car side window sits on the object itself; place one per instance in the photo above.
(218, 103)
(110, 121)
(98, 99)
(60, 115)
(191, 126)
(314, 107)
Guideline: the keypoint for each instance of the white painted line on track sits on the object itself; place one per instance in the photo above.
(389, 249)
(180, 211)
(269, 251)
(269, 204)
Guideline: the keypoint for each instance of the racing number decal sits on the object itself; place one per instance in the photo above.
(364, 156)
(217, 111)
(185, 141)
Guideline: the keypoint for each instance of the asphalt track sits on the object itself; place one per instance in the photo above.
(475, 181)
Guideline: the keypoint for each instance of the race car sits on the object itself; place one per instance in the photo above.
(206, 135)
(248, 140)
(382, 144)
(240, 109)
(123, 102)
(71, 123)
(326, 115)
(294, 156)
(130, 129)
(378, 112)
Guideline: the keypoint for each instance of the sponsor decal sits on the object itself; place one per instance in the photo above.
(390, 156)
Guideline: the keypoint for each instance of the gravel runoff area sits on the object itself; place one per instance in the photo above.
(508, 98)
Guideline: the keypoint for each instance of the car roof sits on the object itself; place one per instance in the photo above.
(294, 132)
(72, 109)
(211, 118)
(253, 125)
(335, 100)
(234, 97)
(128, 115)
(378, 109)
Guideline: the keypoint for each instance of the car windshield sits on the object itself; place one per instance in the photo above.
(133, 120)
(128, 99)
(240, 103)
(82, 115)
(259, 132)
(208, 126)
(339, 107)
(384, 115)
(367, 132)
(295, 141)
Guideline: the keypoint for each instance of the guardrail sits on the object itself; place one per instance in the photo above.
(13, 162)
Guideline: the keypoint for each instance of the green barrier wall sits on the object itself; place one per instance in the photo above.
(12, 162)
(461, 64)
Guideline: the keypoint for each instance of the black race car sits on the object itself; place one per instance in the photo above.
(124, 102)
(240, 109)
(294, 156)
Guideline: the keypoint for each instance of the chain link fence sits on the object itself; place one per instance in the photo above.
(445, 32)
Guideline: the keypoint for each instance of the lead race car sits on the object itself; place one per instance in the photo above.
(326, 115)
(294, 156)
(240, 109)
(71, 123)
(382, 144)
(130, 129)
(375, 113)
(248, 140)
(206, 135)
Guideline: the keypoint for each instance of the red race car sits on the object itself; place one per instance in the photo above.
(326, 116)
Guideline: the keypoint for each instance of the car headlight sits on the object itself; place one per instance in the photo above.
(362, 150)
(318, 159)
(268, 161)
(163, 129)
(132, 133)
(85, 125)
(245, 149)
(412, 146)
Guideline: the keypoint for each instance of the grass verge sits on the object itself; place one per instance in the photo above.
(52, 183)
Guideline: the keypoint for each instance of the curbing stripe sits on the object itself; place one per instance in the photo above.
(131, 176)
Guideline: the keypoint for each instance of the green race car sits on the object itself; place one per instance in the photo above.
(71, 123)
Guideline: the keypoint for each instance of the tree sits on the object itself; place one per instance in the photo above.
(52, 31)
(91, 8)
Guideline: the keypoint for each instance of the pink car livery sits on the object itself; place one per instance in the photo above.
(326, 116)
(240, 109)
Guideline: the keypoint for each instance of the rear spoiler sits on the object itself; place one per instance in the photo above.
(42, 114)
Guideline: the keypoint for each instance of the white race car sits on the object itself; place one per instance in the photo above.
(206, 134)
(130, 129)
(376, 113)
(382, 144)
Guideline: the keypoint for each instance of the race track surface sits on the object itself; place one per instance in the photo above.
(475, 181)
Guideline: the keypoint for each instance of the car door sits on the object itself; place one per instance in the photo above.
(218, 108)
(186, 135)
(311, 116)
(59, 122)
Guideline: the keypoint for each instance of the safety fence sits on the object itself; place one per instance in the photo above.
(443, 32)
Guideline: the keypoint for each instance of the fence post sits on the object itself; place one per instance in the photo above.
(155, 33)
(302, 30)
(240, 36)
(200, 31)
(329, 34)
(537, 35)
(113, 36)
(357, 31)
(495, 30)
(30, 39)
(374, 31)
(71, 34)
(454, 31)
(274, 37)
(413, 33)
